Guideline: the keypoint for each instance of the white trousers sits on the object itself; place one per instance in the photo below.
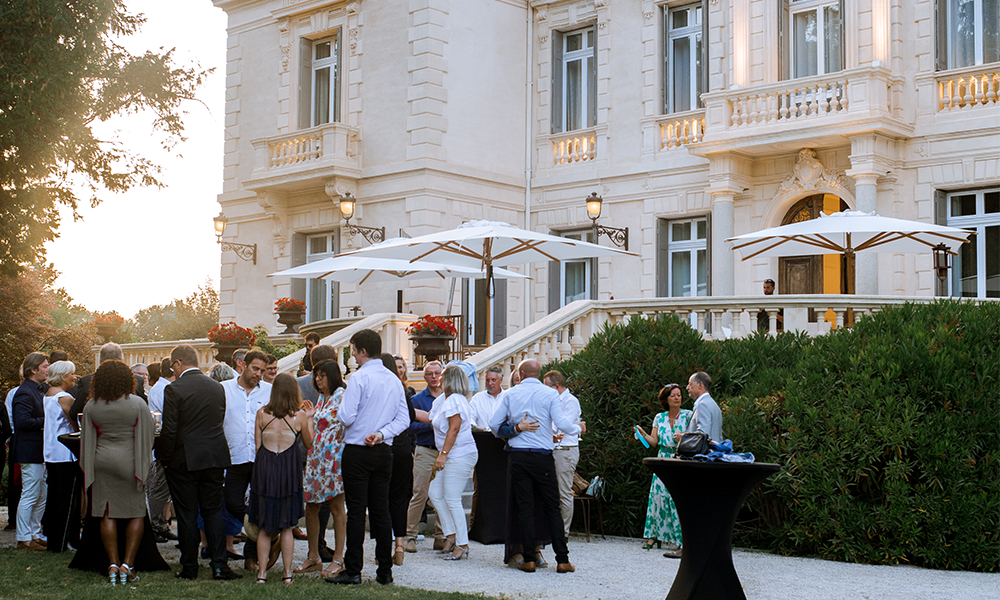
(446, 495)
(32, 504)
(566, 460)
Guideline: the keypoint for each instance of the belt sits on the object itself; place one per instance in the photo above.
(535, 450)
(565, 447)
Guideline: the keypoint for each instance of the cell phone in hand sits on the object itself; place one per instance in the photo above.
(640, 437)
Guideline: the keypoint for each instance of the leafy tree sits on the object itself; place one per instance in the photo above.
(60, 72)
(185, 319)
(267, 345)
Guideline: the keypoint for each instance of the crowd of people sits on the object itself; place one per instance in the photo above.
(246, 452)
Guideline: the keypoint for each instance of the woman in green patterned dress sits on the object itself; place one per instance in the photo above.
(662, 524)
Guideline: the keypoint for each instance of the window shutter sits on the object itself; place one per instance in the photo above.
(940, 207)
(662, 258)
(555, 274)
(592, 85)
(337, 68)
(298, 258)
(499, 310)
(941, 35)
(305, 94)
(843, 37)
(593, 278)
(703, 82)
(666, 60)
(783, 35)
(708, 254)
(556, 87)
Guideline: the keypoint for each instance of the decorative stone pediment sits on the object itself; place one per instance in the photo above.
(810, 174)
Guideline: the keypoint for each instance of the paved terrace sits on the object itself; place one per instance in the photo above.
(618, 569)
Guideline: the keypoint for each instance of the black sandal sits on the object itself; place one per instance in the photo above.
(287, 580)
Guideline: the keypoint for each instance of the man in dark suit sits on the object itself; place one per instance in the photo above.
(81, 391)
(193, 451)
(26, 449)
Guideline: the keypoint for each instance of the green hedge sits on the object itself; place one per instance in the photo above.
(888, 433)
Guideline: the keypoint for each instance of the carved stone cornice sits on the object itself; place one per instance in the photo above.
(810, 174)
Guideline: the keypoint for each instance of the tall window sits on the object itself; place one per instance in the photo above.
(975, 271)
(574, 79)
(322, 297)
(682, 56)
(687, 257)
(325, 81)
(816, 36)
(572, 280)
(969, 33)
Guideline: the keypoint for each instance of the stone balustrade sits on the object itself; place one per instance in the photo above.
(325, 150)
(679, 129)
(962, 89)
(574, 147)
(152, 352)
(807, 98)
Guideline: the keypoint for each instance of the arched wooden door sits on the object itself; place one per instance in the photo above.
(816, 274)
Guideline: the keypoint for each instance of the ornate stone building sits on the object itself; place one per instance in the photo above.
(695, 121)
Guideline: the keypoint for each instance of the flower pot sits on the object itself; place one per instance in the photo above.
(107, 331)
(291, 319)
(432, 346)
(224, 353)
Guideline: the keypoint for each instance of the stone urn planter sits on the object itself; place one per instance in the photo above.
(224, 353)
(291, 313)
(107, 331)
(227, 338)
(107, 325)
(432, 346)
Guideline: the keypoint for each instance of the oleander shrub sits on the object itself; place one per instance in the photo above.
(888, 433)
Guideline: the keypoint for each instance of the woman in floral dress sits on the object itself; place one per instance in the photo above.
(323, 480)
(662, 524)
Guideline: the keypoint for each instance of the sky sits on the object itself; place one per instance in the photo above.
(163, 238)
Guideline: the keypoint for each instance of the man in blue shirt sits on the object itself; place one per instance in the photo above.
(424, 455)
(532, 467)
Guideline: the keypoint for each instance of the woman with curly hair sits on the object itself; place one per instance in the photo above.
(323, 481)
(117, 444)
(662, 523)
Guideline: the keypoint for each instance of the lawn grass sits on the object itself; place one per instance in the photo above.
(27, 575)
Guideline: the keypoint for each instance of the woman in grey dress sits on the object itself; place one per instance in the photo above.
(117, 443)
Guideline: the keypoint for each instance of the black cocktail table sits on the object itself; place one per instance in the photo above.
(708, 496)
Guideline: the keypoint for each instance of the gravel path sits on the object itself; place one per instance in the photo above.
(618, 569)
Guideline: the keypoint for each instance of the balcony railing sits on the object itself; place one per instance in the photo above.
(797, 99)
(574, 147)
(679, 129)
(318, 152)
(968, 88)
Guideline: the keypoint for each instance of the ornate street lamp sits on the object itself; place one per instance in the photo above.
(618, 237)
(374, 235)
(941, 261)
(244, 251)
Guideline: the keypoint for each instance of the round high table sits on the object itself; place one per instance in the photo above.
(708, 496)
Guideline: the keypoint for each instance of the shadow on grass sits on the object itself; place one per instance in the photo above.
(28, 575)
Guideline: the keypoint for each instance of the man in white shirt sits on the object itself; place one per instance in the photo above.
(566, 453)
(532, 470)
(485, 403)
(373, 411)
(707, 416)
(157, 490)
(245, 395)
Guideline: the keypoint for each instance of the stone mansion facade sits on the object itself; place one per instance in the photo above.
(694, 120)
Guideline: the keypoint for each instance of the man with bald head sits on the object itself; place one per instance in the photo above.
(532, 467)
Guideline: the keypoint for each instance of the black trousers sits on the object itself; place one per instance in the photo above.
(401, 483)
(61, 522)
(235, 492)
(535, 473)
(367, 471)
(13, 492)
(189, 491)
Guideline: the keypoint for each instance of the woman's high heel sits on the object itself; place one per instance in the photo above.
(449, 547)
(462, 556)
(113, 574)
(650, 543)
(126, 575)
(397, 557)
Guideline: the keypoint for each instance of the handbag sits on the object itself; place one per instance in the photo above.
(596, 487)
(693, 442)
(580, 485)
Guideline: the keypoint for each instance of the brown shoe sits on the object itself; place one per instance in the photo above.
(565, 568)
(41, 542)
(251, 565)
(298, 534)
(527, 567)
(439, 543)
(32, 545)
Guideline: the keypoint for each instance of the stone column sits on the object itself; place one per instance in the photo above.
(723, 283)
(866, 263)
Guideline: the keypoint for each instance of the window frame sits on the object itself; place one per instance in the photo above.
(945, 29)
(332, 288)
(309, 75)
(787, 9)
(692, 247)
(698, 33)
(588, 89)
(978, 222)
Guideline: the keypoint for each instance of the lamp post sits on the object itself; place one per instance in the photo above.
(618, 237)
(941, 265)
(374, 235)
(244, 251)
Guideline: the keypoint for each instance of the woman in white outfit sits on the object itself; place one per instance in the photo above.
(451, 417)
(61, 524)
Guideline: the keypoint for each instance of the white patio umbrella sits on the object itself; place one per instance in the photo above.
(349, 268)
(849, 232)
(486, 245)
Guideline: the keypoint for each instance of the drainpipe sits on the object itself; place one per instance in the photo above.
(528, 87)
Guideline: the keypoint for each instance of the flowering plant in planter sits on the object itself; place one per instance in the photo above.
(108, 319)
(431, 325)
(231, 334)
(290, 304)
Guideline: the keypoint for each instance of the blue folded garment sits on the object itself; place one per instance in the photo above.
(723, 451)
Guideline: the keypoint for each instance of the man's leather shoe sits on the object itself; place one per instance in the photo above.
(159, 539)
(565, 568)
(170, 535)
(527, 567)
(325, 554)
(410, 545)
(187, 573)
(225, 574)
(384, 579)
(344, 578)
